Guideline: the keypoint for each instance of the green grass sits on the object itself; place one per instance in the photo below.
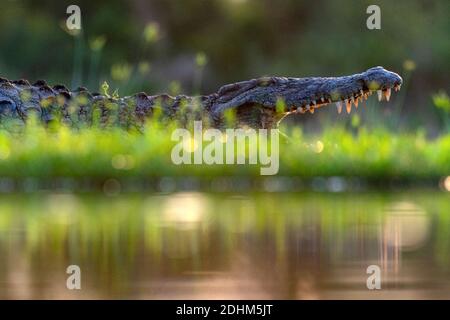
(37, 152)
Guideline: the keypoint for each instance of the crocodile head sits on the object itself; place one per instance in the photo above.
(255, 101)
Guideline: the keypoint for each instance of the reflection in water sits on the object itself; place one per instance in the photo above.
(184, 208)
(219, 246)
(407, 226)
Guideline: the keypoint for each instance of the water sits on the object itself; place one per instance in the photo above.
(219, 246)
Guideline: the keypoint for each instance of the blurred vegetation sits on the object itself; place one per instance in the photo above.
(195, 46)
(103, 153)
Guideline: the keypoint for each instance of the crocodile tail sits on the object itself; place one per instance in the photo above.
(19, 99)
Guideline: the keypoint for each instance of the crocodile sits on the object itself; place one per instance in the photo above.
(256, 103)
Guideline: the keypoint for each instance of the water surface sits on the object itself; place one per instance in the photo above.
(191, 245)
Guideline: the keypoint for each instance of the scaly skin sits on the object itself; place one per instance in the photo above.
(254, 102)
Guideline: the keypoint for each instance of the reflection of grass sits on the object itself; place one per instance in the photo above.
(112, 235)
(113, 153)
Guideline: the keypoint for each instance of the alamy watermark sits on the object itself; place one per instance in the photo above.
(213, 146)
(73, 22)
(373, 22)
(374, 280)
(73, 281)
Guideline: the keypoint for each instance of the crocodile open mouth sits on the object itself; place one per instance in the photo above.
(353, 100)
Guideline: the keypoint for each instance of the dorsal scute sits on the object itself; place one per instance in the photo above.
(40, 83)
(60, 87)
(21, 82)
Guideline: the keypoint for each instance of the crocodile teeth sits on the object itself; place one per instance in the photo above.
(387, 94)
(339, 106)
(361, 92)
(380, 95)
(356, 102)
(311, 110)
(322, 99)
(348, 105)
(314, 102)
